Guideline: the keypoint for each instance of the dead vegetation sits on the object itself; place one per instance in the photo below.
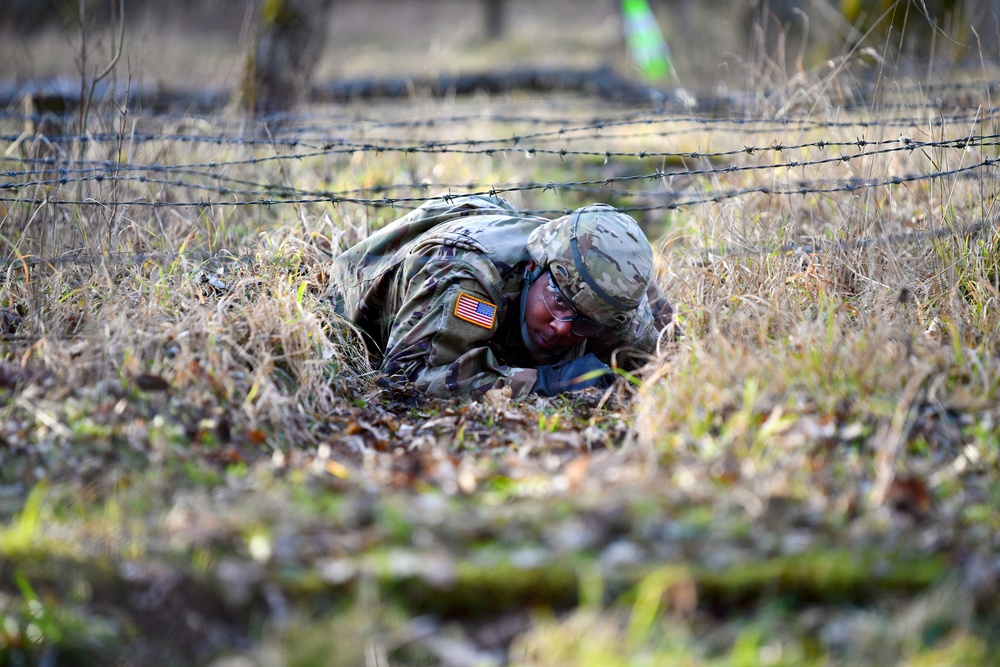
(197, 463)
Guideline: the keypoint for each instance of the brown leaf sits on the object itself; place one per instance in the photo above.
(149, 382)
(513, 416)
(466, 480)
(576, 471)
(497, 398)
(230, 454)
(374, 435)
(390, 422)
(78, 348)
(909, 494)
(559, 439)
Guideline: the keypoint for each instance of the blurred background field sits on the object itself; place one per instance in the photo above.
(197, 465)
(191, 42)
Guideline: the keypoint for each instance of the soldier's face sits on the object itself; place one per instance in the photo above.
(550, 334)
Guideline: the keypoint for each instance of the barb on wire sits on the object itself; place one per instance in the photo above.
(770, 147)
(281, 195)
(566, 132)
(97, 171)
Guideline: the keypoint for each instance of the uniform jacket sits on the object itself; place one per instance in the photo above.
(437, 295)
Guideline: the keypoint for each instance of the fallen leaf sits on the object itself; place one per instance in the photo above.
(909, 494)
(336, 469)
(148, 382)
(466, 480)
(563, 439)
(497, 398)
(576, 471)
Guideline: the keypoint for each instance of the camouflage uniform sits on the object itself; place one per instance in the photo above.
(437, 294)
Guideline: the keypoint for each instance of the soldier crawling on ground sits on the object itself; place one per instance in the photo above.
(466, 294)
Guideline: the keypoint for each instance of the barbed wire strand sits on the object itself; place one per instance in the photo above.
(50, 172)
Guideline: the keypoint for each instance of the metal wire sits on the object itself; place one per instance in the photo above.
(33, 180)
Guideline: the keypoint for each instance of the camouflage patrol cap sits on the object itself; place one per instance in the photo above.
(601, 260)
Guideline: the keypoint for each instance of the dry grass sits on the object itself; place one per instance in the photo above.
(197, 422)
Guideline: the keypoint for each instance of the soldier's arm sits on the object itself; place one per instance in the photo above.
(651, 326)
(439, 339)
(662, 312)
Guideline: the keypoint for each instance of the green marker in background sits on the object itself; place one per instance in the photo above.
(645, 41)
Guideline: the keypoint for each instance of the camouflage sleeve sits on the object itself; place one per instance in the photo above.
(651, 325)
(439, 338)
(658, 326)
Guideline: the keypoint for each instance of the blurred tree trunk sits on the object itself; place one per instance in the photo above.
(289, 40)
(495, 24)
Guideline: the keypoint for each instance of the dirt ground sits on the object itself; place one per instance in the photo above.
(180, 472)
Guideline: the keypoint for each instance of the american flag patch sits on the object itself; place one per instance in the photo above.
(471, 309)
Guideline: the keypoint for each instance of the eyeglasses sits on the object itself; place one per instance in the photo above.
(560, 309)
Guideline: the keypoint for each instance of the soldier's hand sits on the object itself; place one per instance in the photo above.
(571, 375)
